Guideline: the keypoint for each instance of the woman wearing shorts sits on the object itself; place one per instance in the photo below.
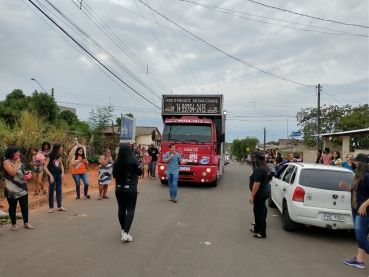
(105, 172)
(37, 164)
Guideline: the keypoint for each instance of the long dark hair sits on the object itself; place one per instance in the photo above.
(125, 163)
(55, 150)
(361, 169)
(76, 154)
(43, 146)
(262, 164)
(9, 153)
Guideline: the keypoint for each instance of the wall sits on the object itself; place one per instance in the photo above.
(144, 140)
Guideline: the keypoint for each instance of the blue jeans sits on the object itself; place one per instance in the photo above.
(361, 231)
(173, 184)
(152, 168)
(57, 186)
(77, 178)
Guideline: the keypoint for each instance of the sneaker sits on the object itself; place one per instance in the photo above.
(354, 262)
(126, 237)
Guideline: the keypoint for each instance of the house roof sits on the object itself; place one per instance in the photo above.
(347, 133)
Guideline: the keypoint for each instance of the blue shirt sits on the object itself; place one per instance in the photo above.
(172, 165)
(346, 165)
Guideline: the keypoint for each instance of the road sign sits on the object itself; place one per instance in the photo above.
(247, 149)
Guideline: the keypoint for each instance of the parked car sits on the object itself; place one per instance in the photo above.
(309, 194)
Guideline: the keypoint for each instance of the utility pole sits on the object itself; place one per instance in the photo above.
(52, 93)
(318, 114)
(287, 129)
(264, 139)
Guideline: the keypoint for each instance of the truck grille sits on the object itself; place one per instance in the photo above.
(184, 173)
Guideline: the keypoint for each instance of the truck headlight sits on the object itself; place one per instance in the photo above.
(162, 167)
(208, 170)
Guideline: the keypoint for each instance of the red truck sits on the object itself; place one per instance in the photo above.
(196, 125)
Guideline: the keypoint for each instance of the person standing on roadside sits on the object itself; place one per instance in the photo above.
(278, 162)
(15, 186)
(348, 163)
(105, 173)
(326, 157)
(45, 150)
(336, 159)
(79, 171)
(55, 172)
(153, 154)
(360, 208)
(126, 170)
(318, 156)
(172, 159)
(253, 162)
(259, 180)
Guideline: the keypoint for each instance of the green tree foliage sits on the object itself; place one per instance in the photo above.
(334, 119)
(101, 118)
(44, 105)
(238, 147)
(74, 124)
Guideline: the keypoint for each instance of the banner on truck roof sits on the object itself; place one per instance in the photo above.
(191, 105)
(127, 129)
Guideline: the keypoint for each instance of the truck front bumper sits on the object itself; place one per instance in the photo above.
(192, 173)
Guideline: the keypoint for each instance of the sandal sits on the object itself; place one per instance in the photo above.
(252, 223)
(106, 197)
(99, 198)
(28, 226)
(15, 228)
(258, 236)
(253, 231)
(51, 210)
(62, 209)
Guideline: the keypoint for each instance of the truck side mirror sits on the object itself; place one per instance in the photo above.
(153, 133)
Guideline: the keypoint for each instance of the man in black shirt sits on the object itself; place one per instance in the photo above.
(153, 153)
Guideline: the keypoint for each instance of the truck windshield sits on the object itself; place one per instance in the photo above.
(187, 132)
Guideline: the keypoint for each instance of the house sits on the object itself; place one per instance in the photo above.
(143, 134)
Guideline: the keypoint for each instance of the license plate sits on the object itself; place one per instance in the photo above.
(184, 168)
(336, 217)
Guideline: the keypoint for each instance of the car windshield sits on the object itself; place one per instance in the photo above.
(187, 132)
(324, 179)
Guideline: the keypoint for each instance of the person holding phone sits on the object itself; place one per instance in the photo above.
(15, 186)
(79, 171)
(55, 172)
(173, 159)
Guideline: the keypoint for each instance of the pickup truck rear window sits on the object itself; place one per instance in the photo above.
(324, 179)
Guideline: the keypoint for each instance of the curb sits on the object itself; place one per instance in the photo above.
(43, 200)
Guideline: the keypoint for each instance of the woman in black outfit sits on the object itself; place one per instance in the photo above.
(259, 180)
(126, 171)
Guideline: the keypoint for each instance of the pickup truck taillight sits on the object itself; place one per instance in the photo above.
(298, 195)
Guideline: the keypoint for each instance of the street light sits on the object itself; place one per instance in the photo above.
(33, 79)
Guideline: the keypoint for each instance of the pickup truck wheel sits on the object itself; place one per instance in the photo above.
(287, 223)
(164, 182)
(271, 202)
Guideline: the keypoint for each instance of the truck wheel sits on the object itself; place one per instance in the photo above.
(164, 182)
(271, 202)
(287, 223)
(215, 183)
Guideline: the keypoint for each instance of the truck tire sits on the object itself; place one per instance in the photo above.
(271, 202)
(215, 183)
(164, 182)
(287, 223)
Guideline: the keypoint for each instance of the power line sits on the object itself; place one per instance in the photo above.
(84, 49)
(318, 18)
(180, 48)
(275, 19)
(225, 11)
(229, 55)
(332, 96)
(162, 47)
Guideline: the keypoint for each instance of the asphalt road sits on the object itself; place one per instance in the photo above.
(206, 233)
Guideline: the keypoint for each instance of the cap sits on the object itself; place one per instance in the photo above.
(260, 156)
(132, 142)
(361, 157)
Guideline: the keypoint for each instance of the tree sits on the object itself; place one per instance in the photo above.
(333, 119)
(238, 147)
(101, 119)
(68, 117)
(44, 105)
(329, 117)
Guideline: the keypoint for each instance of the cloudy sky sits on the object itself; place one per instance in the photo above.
(126, 36)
